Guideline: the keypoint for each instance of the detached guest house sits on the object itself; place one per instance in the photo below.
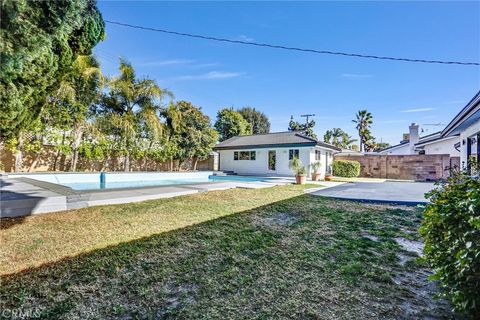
(270, 154)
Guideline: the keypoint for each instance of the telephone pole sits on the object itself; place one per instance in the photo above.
(307, 115)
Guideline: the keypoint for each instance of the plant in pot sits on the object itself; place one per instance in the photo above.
(299, 169)
(315, 171)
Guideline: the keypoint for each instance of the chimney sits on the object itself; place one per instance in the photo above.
(414, 137)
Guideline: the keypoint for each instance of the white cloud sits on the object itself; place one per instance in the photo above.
(161, 63)
(418, 110)
(355, 75)
(243, 37)
(210, 76)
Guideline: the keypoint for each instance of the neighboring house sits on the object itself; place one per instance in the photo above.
(270, 154)
(433, 143)
(466, 124)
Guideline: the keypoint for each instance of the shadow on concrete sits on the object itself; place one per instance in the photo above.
(15, 206)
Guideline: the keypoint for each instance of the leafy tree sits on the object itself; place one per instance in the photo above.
(230, 123)
(196, 137)
(381, 145)
(306, 129)
(364, 120)
(40, 41)
(338, 138)
(132, 106)
(258, 120)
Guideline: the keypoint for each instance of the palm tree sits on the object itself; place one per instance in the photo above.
(133, 106)
(364, 120)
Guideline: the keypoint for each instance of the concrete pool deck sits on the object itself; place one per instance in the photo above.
(24, 196)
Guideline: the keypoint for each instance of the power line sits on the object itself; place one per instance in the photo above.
(356, 55)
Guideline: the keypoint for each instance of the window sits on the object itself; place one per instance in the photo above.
(244, 155)
(318, 154)
(293, 153)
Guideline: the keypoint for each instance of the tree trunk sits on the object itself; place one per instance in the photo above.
(77, 138)
(195, 161)
(35, 161)
(126, 163)
(171, 165)
(19, 155)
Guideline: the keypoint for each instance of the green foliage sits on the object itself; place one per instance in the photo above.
(258, 120)
(364, 120)
(40, 41)
(316, 166)
(346, 168)
(451, 230)
(230, 123)
(195, 137)
(306, 128)
(296, 165)
(338, 138)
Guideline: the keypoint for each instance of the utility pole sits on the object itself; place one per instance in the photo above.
(307, 115)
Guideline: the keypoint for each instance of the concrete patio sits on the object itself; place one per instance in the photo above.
(401, 192)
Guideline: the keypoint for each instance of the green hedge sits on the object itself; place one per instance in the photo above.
(346, 168)
(451, 230)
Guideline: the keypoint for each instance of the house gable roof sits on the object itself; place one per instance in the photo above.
(271, 140)
(468, 115)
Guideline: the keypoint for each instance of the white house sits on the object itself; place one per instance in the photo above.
(269, 154)
(466, 125)
(433, 143)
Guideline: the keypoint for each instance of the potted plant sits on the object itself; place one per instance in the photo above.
(315, 173)
(299, 169)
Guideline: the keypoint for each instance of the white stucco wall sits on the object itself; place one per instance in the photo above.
(443, 147)
(259, 166)
(400, 150)
(470, 131)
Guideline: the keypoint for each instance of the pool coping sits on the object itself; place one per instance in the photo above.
(66, 198)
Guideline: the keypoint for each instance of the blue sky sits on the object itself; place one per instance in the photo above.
(280, 83)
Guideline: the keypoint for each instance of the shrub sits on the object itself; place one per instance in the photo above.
(346, 168)
(451, 231)
(297, 167)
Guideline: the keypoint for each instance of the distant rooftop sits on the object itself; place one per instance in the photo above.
(275, 139)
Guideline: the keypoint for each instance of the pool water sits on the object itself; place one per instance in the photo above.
(160, 182)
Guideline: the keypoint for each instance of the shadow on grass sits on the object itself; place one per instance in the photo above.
(304, 257)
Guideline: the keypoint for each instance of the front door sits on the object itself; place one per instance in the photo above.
(272, 160)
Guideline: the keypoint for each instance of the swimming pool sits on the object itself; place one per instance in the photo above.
(115, 180)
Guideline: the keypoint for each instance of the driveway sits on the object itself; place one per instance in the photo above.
(411, 193)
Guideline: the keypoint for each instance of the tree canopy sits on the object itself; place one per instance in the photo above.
(306, 128)
(339, 138)
(40, 42)
(231, 123)
(257, 120)
(364, 120)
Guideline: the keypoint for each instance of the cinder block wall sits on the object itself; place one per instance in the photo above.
(427, 167)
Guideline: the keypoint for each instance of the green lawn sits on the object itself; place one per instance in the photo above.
(269, 253)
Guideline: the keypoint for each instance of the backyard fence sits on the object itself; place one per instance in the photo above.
(50, 160)
(425, 167)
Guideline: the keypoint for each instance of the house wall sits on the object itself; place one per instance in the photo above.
(443, 147)
(470, 131)
(405, 167)
(401, 150)
(259, 166)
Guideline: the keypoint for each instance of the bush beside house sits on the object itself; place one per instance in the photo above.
(346, 168)
(451, 230)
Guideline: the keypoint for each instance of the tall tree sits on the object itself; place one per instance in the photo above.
(133, 106)
(364, 120)
(40, 41)
(196, 137)
(306, 128)
(258, 120)
(230, 123)
(338, 138)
